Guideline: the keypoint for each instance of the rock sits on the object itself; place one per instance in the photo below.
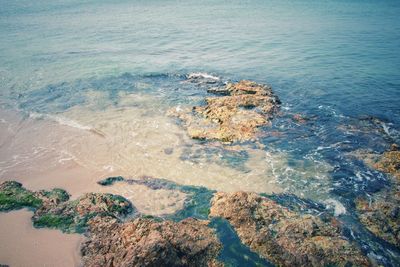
(110, 180)
(72, 216)
(380, 214)
(282, 236)
(144, 242)
(13, 196)
(55, 196)
(300, 118)
(235, 116)
(54, 210)
(389, 162)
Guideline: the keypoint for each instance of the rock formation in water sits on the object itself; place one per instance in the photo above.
(381, 214)
(282, 236)
(140, 242)
(13, 196)
(54, 210)
(233, 116)
(145, 242)
(72, 216)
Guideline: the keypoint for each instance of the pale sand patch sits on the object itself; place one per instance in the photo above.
(23, 245)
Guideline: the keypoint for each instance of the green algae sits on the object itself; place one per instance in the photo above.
(73, 216)
(13, 196)
(53, 209)
(57, 194)
(64, 223)
(110, 180)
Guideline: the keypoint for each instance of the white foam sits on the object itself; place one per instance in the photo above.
(334, 204)
(109, 168)
(197, 75)
(385, 128)
(61, 120)
(178, 108)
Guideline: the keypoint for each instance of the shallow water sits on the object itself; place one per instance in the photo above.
(85, 87)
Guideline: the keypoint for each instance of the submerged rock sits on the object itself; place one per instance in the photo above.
(381, 213)
(235, 116)
(196, 199)
(144, 242)
(284, 237)
(110, 180)
(381, 216)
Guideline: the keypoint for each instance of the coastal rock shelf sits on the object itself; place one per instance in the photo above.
(235, 116)
(145, 242)
(284, 237)
(381, 213)
(54, 210)
(117, 235)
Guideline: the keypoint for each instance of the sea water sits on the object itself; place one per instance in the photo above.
(85, 86)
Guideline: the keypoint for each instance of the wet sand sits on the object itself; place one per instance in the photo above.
(22, 245)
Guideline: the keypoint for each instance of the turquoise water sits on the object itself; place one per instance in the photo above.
(334, 61)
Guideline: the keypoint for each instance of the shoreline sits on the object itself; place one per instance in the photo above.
(23, 245)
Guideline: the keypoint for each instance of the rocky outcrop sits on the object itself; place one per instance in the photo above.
(381, 216)
(381, 213)
(389, 163)
(282, 236)
(141, 242)
(72, 216)
(13, 196)
(145, 242)
(234, 116)
(53, 209)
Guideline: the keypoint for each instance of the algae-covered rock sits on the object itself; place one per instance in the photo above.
(381, 216)
(13, 196)
(54, 210)
(381, 213)
(389, 163)
(144, 242)
(235, 116)
(284, 237)
(110, 180)
(55, 196)
(72, 216)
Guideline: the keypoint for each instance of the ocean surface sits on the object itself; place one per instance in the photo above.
(85, 87)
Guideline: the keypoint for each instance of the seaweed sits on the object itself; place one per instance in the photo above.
(13, 196)
(234, 252)
(56, 194)
(61, 222)
(110, 180)
(53, 209)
